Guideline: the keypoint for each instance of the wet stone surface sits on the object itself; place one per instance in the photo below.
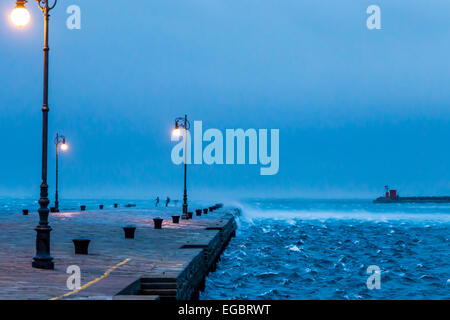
(151, 252)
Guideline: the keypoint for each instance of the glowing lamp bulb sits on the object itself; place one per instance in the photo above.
(20, 16)
(176, 132)
(64, 147)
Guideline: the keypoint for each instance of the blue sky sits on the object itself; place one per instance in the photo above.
(356, 108)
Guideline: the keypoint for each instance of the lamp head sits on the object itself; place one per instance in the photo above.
(176, 132)
(64, 146)
(20, 15)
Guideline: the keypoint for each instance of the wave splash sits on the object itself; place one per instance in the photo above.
(360, 210)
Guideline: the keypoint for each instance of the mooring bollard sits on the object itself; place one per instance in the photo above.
(190, 214)
(176, 218)
(158, 223)
(52, 209)
(101, 207)
(198, 212)
(81, 245)
(129, 232)
(115, 205)
(25, 212)
(83, 208)
(205, 211)
(211, 209)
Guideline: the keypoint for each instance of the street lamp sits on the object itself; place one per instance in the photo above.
(183, 123)
(59, 140)
(42, 260)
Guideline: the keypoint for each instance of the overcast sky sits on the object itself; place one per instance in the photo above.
(356, 108)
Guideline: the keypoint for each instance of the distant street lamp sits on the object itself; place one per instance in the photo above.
(59, 140)
(42, 260)
(183, 123)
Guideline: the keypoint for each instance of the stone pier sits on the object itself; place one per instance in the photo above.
(170, 263)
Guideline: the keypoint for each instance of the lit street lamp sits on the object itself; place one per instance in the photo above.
(42, 260)
(183, 123)
(59, 140)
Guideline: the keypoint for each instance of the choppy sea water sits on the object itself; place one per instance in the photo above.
(309, 249)
(321, 249)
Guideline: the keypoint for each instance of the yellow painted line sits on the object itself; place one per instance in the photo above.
(93, 281)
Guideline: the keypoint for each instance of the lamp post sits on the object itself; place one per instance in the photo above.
(59, 140)
(42, 260)
(183, 123)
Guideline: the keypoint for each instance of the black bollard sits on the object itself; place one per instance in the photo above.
(53, 209)
(81, 245)
(205, 211)
(190, 214)
(158, 223)
(198, 212)
(176, 218)
(25, 212)
(83, 208)
(101, 207)
(211, 209)
(129, 232)
(115, 205)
